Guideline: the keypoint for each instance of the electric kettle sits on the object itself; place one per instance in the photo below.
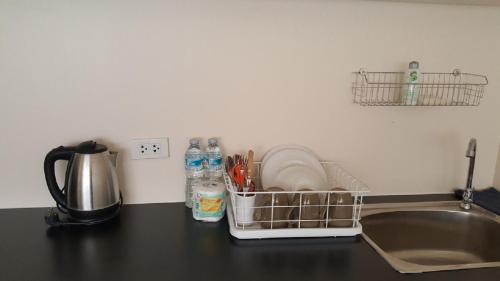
(91, 193)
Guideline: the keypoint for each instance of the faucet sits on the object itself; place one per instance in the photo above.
(471, 154)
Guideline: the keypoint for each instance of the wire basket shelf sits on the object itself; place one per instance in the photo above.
(433, 89)
(335, 211)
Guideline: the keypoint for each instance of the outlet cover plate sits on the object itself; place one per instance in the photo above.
(150, 148)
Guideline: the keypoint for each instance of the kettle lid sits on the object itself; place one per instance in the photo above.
(90, 147)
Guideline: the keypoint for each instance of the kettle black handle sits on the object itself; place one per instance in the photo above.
(60, 153)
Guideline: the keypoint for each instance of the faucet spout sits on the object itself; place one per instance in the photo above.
(471, 148)
(471, 154)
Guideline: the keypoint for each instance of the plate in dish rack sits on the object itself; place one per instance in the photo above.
(295, 177)
(293, 168)
(285, 146)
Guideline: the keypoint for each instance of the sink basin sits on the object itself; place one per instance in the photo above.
(422, 237)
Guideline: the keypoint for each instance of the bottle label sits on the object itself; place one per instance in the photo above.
(194, 164)
(413, 76)
(215, 162)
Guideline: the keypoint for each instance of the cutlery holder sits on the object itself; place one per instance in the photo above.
(245, 209)
(253, 215)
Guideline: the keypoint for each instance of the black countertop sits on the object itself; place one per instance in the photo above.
(163, 242)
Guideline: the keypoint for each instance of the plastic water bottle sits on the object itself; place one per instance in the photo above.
(194, 168)
(214, 160)
(411, 89)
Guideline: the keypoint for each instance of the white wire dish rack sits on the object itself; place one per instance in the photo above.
(433, 89)
(326, 213)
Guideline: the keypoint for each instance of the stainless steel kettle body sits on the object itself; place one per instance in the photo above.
(91, 190)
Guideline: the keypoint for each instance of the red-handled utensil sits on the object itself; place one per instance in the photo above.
(239, 176)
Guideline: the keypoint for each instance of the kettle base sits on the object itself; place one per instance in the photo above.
(99, 215)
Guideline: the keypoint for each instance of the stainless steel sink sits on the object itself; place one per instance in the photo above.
(421, 237)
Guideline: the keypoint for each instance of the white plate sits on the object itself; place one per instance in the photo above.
(283, 147)
(307, 167)
(296, 177)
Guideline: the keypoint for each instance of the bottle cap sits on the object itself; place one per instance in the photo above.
(414, 65)
(212, 141)
(194, 141)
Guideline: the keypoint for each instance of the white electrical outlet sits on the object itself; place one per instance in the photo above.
(150, 148)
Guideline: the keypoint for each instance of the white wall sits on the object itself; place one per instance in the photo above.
(264, 71)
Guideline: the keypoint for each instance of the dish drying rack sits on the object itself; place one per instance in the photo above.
(434, 89)
(327, 226)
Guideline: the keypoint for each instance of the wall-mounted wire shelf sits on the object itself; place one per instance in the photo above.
(433, 89)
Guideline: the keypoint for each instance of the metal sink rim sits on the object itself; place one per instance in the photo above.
(442, 206)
